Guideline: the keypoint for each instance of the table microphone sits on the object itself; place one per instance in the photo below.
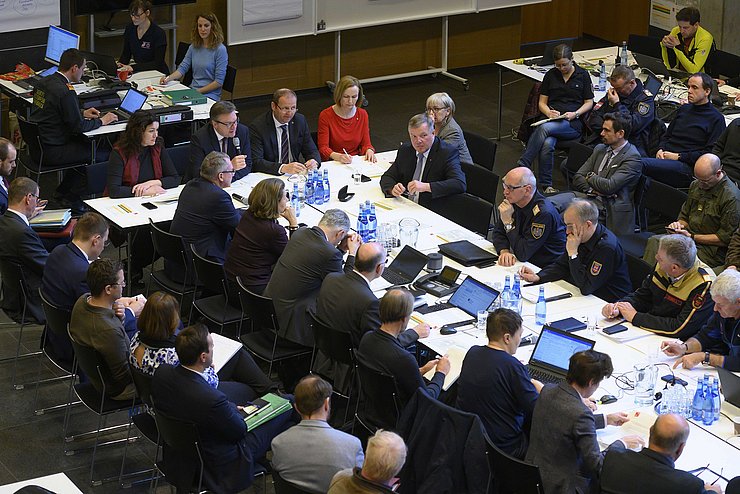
(236, 145)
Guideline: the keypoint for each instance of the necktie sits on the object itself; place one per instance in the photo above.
(419, 165)
(6, 184)
(224, 146)
(605, 162)
(284, 151)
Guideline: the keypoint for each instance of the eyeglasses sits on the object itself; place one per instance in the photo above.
(34, 195)
(121, 284)
(229, 171)
(512, 187)
(435, 109)
(135, 15)
(287, 109)
(228, 124)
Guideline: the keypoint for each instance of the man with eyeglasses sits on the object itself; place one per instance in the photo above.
(710, 214)
(281, 137)
(20, 244)
(8, 154)
(225, 134)
(529, 228)
(626, 95)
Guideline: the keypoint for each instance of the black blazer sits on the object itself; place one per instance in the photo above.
(21, 245)
(65, 276)
(441, 170)
(205, 140)
(629, 472)
(265, 141)
(3, 199)
(206, 218)
(306, 261)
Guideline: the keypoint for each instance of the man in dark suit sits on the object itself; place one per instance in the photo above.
(311, 254)
(562, 440)
(8, 154)
(275, 152)
(225, 134)
(21, 245)
(205, 215)
(425, 169)
(228, 450)
(653, 469)
(610, 175)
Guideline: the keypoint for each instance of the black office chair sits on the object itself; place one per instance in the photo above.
(380, 403)
(97, 178)
(230, 81)
(215, 308)
(482, 149)
(264, 341)
(282, 486)
(172, 248)
(182, 49)
(481, 182)
(466, 210)
(337, 346)
(144, 422)
(646, 45)
(180, 156)
(577, 156)
(638, 270)
(722, 64)
(510, 475)
(182, 437)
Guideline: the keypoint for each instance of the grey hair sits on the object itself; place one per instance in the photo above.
(585, 210)
(213, 164)
(418, 120)
(335, 219)
(441, 99)
(221, 108)
(679, 249)
(384, 456)
(727, 285)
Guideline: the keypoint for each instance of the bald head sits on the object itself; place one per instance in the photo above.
(707, 164)
(519, 186)
(369, 258)
(520, 176)
(668, 435)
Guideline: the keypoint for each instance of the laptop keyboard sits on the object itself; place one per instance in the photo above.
(437, 308)
(394, 278)
(544, 377)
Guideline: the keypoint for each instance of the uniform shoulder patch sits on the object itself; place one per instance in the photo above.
(70, 87)
(643, 108)
(595, 268)
(537, 229)
(697, 301)
(536, 210)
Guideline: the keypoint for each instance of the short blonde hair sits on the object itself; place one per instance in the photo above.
(345, 83)
(215, 38)
(384, 456)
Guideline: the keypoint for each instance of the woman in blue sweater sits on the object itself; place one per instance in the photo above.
(206, 56)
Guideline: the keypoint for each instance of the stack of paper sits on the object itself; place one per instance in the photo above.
(456, 355)
(53, 219)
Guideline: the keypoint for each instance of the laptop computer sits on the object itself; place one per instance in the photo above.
(730, 386)
(132, 102)
(656, 66)
(546, 59)
(470, 297)
(405, 267)
(551, 356)
(97, 62)
(31, 82)
(653, 84)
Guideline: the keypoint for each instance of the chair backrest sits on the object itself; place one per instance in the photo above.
(172, 247)
(655, 132)
(230, 80)
(91, 363)
(210, 274)
(512, 476)
(143, 385)
(335, 344)
(97, 177)
(30, 132)
(180, 435)
(482, 150)
(466, 210)
(282, 486)
(481, 182)
(180, 156)
(57, 319)
(258, 308)
(723, 64)
(646, 45)
(663, 199)
(638, 270)
(182, 49)
(380, 398)
(577, 156)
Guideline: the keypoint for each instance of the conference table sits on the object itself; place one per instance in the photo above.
(716, 446)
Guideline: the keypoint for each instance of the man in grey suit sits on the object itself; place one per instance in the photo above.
(311, 452)
(562, 441)
(311, 254)
(610, 174)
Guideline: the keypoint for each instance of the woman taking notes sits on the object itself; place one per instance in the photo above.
(144, 40)
(206, 56)
(441, 108)
(344, 127)
(566, 92)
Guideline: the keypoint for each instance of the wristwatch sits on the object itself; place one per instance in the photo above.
(574, 256)
(508, 227)
(706, 358)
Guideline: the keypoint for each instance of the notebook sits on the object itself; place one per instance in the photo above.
(132, 102)
(730, 386)
(569, 324)
(405, 267)
(470, 297)
(551, 355)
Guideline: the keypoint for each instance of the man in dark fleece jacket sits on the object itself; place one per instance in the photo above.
(692, 133)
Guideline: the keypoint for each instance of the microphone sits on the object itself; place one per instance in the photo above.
(236, 145)
(240, 198)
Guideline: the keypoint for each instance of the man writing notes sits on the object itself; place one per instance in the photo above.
(425, 169)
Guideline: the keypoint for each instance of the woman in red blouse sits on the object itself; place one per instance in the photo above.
(344, 127)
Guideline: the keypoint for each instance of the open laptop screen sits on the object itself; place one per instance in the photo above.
(554, 348)
(133, 101)
(58, 42)
(473, 295)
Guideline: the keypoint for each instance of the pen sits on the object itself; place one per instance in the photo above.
(562, 296)
(441, 238)
(124, 208)
(346, 153)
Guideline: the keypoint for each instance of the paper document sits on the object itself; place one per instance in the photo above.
(442, 317)
(540, 122)
(223, 349)
(532, 293)
(458, 234)
(456, 355)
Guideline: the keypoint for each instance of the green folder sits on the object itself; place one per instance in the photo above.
(276, 405)
(185, 97)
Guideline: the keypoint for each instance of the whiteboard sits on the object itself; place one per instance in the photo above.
(502, 4)
(265, 22)
(17, 15)
(349, 14)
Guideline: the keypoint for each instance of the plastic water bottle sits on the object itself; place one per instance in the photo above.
(698, 401)
(318, 193)
(707, 411)
(602, 76)
(302, 196)
(507, 296)
(295, 202)
(362, 223)
(372, 222)
(716, 404)
(623, 54)
(540, 310)
(327, 187)
(517, 291)
(309, 188)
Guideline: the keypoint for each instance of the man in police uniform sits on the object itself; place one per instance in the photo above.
(626, 95)
(530, 228)
(710, 214)
(593, 259)
(61, 124)
(717, 344)
(673, 301)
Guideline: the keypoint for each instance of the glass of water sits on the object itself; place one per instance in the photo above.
(357, 175)
(482, 319)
